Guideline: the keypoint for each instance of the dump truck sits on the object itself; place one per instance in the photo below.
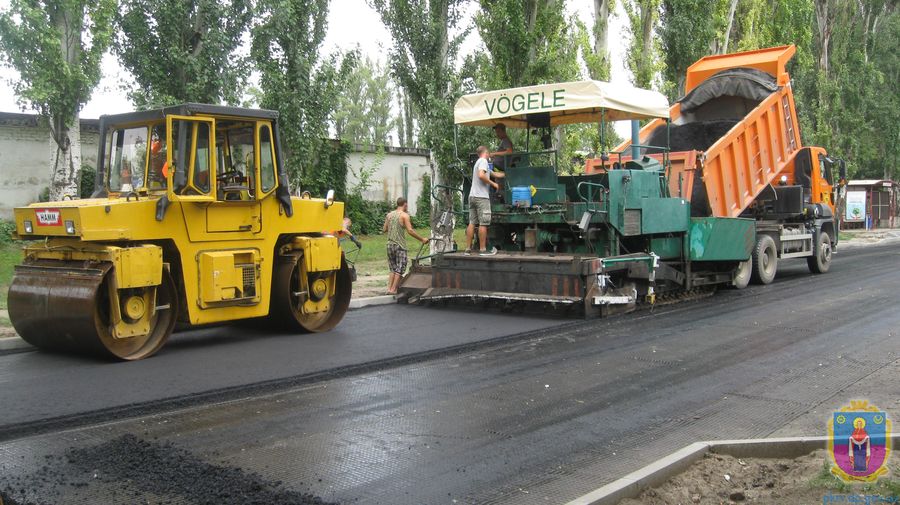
(192, 222)
(648, 222)
(733, 142)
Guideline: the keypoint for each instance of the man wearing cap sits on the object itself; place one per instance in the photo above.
(501, 155)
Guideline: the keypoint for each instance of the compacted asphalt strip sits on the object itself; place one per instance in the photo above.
(531, 420)
(39, 386)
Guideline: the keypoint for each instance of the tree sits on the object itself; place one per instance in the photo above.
(844, 75)
(537, 29)
(597, 58)
(363, 113)
(56, 46)
(405, 119)
(595, 51)
(301, 84)
(643, 55)
(183, 50)
(686, 32)
(421, 62)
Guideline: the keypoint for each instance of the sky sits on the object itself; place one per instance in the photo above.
(345, 31)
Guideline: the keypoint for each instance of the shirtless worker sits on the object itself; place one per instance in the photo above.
(396, 225)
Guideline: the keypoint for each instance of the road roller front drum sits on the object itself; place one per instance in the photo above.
(68, 307)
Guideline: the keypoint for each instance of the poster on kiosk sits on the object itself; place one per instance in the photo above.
(856, 206)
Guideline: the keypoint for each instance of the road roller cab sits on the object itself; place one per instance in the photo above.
(193, 222)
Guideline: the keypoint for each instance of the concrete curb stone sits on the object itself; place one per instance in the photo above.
(654, 474)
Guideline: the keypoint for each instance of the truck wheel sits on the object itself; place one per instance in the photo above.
(820, 261)
(742, 274)
(765, 260)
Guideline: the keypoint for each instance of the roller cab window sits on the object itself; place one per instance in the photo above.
(126, 159)
(268, 172)
(238, 155)
(189, 162)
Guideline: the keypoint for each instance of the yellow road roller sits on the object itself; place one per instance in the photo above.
(192, 222)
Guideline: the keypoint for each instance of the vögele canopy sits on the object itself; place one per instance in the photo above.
(564, 103)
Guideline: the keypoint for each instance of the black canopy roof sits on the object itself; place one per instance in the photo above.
(187, 109)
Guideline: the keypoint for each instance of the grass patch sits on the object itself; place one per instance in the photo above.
(372, 258)
(10, 255)
(826, 480)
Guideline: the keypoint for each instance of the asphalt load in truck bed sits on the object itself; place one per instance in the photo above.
(699, 135)
(135, 469)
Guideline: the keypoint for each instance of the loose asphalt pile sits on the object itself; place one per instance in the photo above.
(699, 135)
(133, 468)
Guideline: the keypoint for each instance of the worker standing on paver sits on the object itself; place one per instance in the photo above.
(396, 224)
(501, 156)
(480, 203)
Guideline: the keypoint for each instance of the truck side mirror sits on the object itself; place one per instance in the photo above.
(842, 170)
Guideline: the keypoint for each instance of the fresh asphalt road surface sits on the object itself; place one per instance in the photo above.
(535, 420)
(39, 385)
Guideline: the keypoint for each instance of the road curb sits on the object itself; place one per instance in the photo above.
(654, 474)
(358, 303)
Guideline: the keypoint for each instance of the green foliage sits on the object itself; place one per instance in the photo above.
(10, 256)
(845, 74)
(183, 50)
(331, 169)
(367, 216)
(852, 104)
(56, 82)
(422, 219)
(7, 228)
(298, 81)
(538, 45)
(363, 113)
(87, 182)
(421, 62)
(643, 49)
(686, 32)
(596, 55)
(824, 479)
(56, 47)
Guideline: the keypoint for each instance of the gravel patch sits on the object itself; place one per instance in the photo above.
(132, 468)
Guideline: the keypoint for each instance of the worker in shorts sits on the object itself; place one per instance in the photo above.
(396, 225)
(480, 203)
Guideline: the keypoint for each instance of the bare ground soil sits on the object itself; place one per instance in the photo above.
(719, 479)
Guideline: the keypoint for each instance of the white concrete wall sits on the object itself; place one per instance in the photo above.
(386, 179)
(25, 150)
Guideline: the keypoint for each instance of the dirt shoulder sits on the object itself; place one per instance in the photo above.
(718, 479)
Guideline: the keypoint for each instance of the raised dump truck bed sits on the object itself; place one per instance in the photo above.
(735, 151)
(739, 111)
